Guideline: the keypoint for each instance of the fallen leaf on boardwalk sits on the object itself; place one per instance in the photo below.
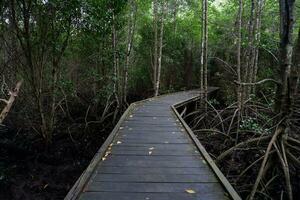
(166, 142)
(121, 128)
(131, 116)
(150, 152)
(204, 162)
(151, 148)
(103, 158)
(190, 191)
(119, 142)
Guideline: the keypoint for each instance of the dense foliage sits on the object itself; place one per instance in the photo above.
(81, 62)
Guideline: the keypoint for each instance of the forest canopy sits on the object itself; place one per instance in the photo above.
(69, 69)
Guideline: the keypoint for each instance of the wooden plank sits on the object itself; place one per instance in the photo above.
(200, 188)
(153, 141)
(149, 136)
(156, 178)
(147, 163)
(150, 196)
(154, 152)
(149, 147)
(154, 170)
(122, 158)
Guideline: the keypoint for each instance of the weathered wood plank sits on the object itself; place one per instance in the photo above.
(200, 188)
(150, 196)
(154, 170)
(147, 163)
(154, 152)
(156, 178)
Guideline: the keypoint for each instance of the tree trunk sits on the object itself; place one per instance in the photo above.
(157, 85)
(238, 67)
(284, 99)
(115, 67)
(130, 36)
(155, 56)
(9, 103)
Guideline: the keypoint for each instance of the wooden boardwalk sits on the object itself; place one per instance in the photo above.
(151, 155)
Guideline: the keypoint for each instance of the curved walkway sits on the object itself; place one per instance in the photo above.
(150, 156)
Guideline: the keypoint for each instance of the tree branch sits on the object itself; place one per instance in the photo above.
(259, 82)
(4, 100)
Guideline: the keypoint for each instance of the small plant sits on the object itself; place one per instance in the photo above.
(214, 102)
(250, 124)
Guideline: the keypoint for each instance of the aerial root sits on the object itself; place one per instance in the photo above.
(248, 142)
(250, 166)
(262, 168)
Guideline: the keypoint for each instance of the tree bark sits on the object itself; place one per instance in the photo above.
(157, 85)
(9, 103)
(155, 56)
(115, 66)
(130, 36)
(283, 104)
(239, 41)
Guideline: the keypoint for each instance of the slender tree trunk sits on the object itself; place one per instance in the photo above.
(155, 56)
(296, 67)
(175, 15)
(115, 67)
(254, 69)
(249, 52)
(239, 76)
(202, 50)
(157, 85)
(130, 36)
(205, 53)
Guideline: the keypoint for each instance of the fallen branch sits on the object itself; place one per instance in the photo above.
(258, 83)
(13, 94)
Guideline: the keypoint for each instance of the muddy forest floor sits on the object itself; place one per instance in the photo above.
(217, 132)
(30, 169)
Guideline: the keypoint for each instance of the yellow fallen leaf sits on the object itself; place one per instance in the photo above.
(190, 191)
(103, 158)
